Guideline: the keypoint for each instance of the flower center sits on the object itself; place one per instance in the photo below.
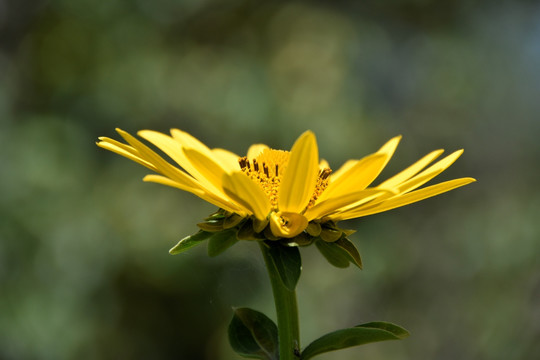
(267, 170)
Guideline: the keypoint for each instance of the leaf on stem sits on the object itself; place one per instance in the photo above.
(288, 263)
(358, 335)
(253, 335)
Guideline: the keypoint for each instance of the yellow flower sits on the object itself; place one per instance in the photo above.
(284, 191)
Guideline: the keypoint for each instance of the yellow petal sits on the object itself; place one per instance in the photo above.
(169, 146)
(186, 140)
(333, 204)
(412, 183)
(323, 164)
(174, 150)
(124, 150)
(254, 150)
(386, 150)
(405, 199)
(429, 173)
(212, 175)
(118, 144)
(286, 224)
(159, 179)
(246, 193)
(227, 159)
(300, 177)
(149, 155)
(390, 147)
(209, 197)
(356, 177)
(342, 170)
(411, 170)
(205, 166)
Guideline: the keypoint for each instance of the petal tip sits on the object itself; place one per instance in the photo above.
(308, 134)
(142, 132)
(456, 154)
(122, 133)
(396, 139)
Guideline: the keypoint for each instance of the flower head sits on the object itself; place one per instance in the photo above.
(285, 194)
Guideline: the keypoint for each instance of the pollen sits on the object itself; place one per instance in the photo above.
(267, 170)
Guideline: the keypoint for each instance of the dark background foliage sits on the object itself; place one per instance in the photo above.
(84, 268)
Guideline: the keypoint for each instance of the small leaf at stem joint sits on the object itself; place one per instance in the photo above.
(288, 263)
(253, 335)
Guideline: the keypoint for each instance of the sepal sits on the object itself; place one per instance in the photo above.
(221, 241)
(351, 250)
(329, 234)
(232, 221)
(247, 232)
(190, 241)
(211, 225)
(314, 228)
(220, 220)
(333, 253)
(224, 229)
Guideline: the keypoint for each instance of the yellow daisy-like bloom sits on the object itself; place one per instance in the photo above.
(284, 191)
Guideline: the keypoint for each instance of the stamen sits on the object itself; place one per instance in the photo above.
(325, 173)
(322, 183)
(242, 161)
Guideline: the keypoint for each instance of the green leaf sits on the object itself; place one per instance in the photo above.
(397, 330)
(351, 250)
(288, 263)
(189, 242)
(221, 241)
(358, 335)
(253, 335)
(335, 254)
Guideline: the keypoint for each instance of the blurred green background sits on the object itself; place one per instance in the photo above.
(84, 267)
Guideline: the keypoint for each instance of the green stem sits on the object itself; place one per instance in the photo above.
(286, 309)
